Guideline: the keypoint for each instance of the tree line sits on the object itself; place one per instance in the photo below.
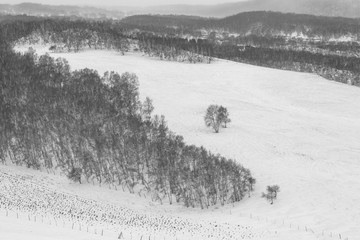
(75, 35)
(261, 23)
(175, 48)
(335, 67)
(277, 52)
(268, 55)
(95, 128)
(262, 38)
(71, 35)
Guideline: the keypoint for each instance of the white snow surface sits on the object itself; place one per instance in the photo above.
(40, 205)
(297, 130)
(13, 228)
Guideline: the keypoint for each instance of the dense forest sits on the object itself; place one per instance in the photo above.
(175, 49)
(285, 41)
(259, 23)
(69, 35)
(334, 67)
(95, 128)
(337, 61)
(65, 34)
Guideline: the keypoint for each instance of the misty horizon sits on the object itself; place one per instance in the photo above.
(133, 3)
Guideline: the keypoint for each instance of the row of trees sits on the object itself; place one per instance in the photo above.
(175, 48)
(260, 38)
(95, 128)
(339, 68)
(78, 36)
(259, 23)
(268, 50)
(348, 48)
(331, 61)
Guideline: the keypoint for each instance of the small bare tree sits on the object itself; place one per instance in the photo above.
(224, 116)
(53, 48)
(146, 109)
(212, 118)
(271, 193)
(215, 116)
(75, 174)
(251, 183)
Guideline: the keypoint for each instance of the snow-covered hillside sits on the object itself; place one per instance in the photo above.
(19, 227)
(47, 206)
(296, 130)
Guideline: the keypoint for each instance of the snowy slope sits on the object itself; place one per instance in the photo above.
(293, 129)
(13, 228)
(46, 206)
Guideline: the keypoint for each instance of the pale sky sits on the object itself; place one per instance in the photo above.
(120, 2)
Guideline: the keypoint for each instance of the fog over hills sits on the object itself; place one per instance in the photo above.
(35, 9)
(344, 8)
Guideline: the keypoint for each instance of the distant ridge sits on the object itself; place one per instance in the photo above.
(259, 23)
(35, 9)
(332, 8)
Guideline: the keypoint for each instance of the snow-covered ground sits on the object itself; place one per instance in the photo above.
(293, 129)
(39, 204)
(18, 227)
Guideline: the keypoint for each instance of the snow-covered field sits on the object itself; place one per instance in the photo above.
(296, 130)
(18, 227)
(40, 204)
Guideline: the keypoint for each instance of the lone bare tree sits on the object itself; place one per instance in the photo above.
(251, 183)
(146, 109)
(75, 174)
(271, 193)
(215, 116)
(224, 116)
(212, 117)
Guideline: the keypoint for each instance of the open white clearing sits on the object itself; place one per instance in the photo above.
(41, 205)
(293, 129)
(13, 228)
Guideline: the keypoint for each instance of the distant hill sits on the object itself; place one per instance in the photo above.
(13, 18)
(169, 21)
(34, 9)
(333, 8)
(257, 23)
